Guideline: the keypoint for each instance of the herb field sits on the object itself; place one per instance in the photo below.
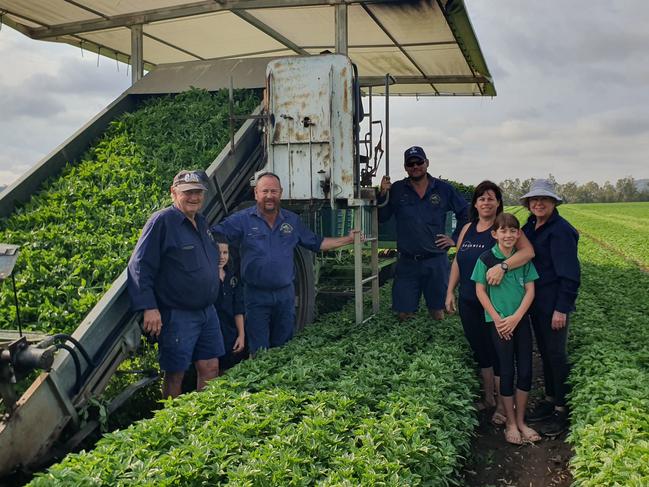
(379, 404)
(609, 346)
(77, 233)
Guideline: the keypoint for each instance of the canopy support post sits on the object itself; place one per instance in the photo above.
(137, 53)
(341, 28)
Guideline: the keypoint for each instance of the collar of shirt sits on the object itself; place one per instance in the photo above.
(432, 182)
(553, 218)
(181, 217)
(280, 216)
(496, 251)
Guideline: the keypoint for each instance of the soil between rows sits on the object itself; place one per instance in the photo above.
(494, 462)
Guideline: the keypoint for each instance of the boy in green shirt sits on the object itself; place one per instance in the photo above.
(506, 306)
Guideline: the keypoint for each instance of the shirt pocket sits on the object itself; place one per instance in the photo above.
(188, 257)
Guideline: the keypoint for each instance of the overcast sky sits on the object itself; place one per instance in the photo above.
(571, 77)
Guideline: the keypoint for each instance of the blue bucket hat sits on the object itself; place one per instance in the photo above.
(541, 187)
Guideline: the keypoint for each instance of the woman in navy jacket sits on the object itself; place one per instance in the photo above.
(555, 247)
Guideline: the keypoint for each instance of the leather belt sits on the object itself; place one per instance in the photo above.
(418, 257)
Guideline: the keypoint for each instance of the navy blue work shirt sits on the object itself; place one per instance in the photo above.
(556, 261)
(230, 301)
(174, 265)
(420, 220)
(267, 253)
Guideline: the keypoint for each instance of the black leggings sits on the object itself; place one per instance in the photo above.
(519, 350)
(552, 346)
(476, 331)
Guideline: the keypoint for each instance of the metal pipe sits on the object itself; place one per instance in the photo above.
(387, 124)
(137, 50)
(341, 28)
(20, 326)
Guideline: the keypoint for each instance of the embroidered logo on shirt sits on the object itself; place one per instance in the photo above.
(434, 199)
(286, 228)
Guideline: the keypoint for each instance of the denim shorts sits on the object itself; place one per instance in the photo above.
(188, 336)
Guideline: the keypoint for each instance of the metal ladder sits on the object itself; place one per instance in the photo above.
(366, 220)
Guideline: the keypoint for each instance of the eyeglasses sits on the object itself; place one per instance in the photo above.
(418, 162)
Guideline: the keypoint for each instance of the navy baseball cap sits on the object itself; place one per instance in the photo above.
(415, 152)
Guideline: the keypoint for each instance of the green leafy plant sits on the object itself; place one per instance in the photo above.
(76, 234)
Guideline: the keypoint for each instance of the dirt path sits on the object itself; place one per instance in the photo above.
(494, 462)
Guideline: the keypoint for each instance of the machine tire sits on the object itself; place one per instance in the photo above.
(304, 288)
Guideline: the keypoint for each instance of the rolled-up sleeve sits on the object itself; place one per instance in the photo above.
(307, 238)
(563, 247)
(385, 211)
(143, 266)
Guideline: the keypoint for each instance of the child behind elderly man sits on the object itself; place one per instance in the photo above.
(506, 308)
(230, 308)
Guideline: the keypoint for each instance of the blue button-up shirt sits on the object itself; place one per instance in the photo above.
(174, 265)
(230, 301)
(556, 261)
(420, 220)
(267, 253)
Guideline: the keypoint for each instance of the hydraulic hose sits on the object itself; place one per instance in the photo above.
(77, 365)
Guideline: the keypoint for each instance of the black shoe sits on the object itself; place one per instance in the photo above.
(543, 410)
(556, 425)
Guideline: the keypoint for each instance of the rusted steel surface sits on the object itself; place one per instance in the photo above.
(310, 137)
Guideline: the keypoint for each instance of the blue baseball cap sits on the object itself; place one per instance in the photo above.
(415, 152)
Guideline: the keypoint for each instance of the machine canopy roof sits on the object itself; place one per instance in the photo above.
(427, 46)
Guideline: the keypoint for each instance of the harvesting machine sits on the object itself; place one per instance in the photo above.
(320, 63)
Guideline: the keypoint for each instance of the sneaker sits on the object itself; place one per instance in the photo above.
(543, 410)
(556, 425)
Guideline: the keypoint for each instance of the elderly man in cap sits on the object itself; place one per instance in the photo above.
(420, 203)
(556, 260)
(172, 278)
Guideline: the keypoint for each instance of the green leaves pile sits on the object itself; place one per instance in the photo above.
(379, 404)
(77, 233)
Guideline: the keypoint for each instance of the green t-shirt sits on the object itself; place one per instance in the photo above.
(507, 296)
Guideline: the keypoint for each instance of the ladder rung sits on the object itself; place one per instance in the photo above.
(368, 279)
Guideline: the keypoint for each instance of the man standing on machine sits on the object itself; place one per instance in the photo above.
(420, 203)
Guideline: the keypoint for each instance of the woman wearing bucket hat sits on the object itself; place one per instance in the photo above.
(555, 247)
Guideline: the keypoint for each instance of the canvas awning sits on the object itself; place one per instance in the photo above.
(427, 46)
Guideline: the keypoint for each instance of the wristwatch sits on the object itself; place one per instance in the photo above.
(504, 266)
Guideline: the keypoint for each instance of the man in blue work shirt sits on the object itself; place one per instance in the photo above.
(420, 203)
(172, 277)
(267, 236)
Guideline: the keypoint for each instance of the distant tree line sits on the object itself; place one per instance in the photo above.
(625, 189)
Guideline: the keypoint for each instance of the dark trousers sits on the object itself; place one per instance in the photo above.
(514, 358)
(476, 331)
(552, 346)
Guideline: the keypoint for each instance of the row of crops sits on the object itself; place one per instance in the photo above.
(609, 346)
(77, 233)
(384, 403)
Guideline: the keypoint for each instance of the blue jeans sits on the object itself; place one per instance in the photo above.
(270, 316)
